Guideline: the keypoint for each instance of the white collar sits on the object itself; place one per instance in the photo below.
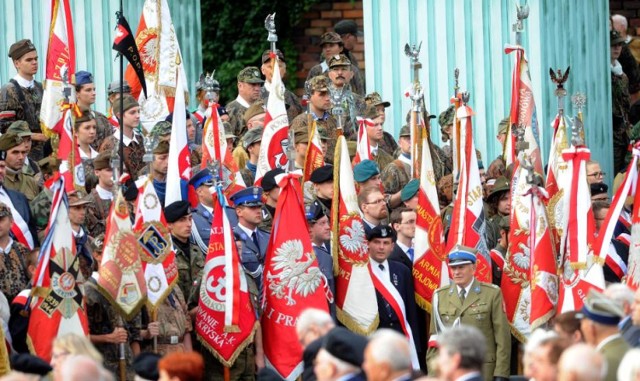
(375, 265)
(374, 149)
(104, 194)
(210, 210)
(242, 102)
(606, 341)
(466, 289)
(628, 39)
(125, 139)
(93, 153)
(27, 84)
(7, 249)
(402, 246)
(404, 159)
(79, 233)
(246, 230)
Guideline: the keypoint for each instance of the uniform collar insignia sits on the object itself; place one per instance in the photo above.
(476, 289)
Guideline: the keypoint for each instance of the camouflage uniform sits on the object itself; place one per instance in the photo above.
(446, 215)
(267, 218)
(357, 82)
(190, 268)
(175, 322)
(247, 176)
(97, 214)
(620, 102)
(291, 101)
(25, 103)
(236, 117)
(133, 153)
(13, 270)
(104, 129)
(383, 159)
(103, 319)
(21, 183)
(41, 209)
(395, 176)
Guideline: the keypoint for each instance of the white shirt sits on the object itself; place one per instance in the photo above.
(246, 230)
(7, 249)
(27, 84)
(374, 150)
(241, 100)
(92, 153)
(378, 271)
(466, 289)
(125, 139)
(104, 193)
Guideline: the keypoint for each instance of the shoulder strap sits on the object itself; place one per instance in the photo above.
(26, 106)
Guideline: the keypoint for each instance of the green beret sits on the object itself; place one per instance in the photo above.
(20, 48)
(254, 135)
(9, 140)
(405, 131)
(410, 190)
(446, 117)
(250, 74)
(103, 161)
(128, 102)
(319, 83)
(20, 128)
(339, 60)
(256, 108)
(365, 170)
(503, 126)
(162, 148)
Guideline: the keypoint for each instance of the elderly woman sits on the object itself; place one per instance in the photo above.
(71, 344)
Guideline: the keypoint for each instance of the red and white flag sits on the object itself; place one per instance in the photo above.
(633, 268)
(581, 267)
(162, 63)
(430, 270)
(275, 137)
(214, 142)
(363, 149)
(157, 256)
(226, 321)
(57, 305)
(120, 276)
(467, 222)
(523, 111)
(292, 281)
(70, 162)
(60, 58)
(314, 158)
(356, 303)
(558, 184)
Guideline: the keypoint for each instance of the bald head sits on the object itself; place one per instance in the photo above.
(581, 362)
(620, 24)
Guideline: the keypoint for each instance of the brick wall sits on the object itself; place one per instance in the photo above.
(629, 9)
(320, 19)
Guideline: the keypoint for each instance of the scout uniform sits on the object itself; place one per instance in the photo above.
(14, 178)
(480, 307)
(100, 200)
(398, 173)
(104, 128)
(291, 101)
(492, 230)
(13, 267)
(20, 99)
(388, 143)
(113, 91)
(251, 137)
(237, 107)
(175, 322)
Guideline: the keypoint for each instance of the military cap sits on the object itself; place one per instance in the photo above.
(375, 99)
(20, 48)
(352, 147)
(504, 223)
(365, 170)
(83, 78)
(322, 133)
(128, 102)
(446, 180)
(615, 38)
(314, 211)
(20, 128)
(85, 116)
(252, 136)
(322, 174)
(345, 345)
(222, 110)
(5, 211)
(339, 60)
(347, 27)
(114, 88)
(162, 128)
(203, 177)
(370, 112)
(330, 38)
(29, 364)
(162, 148)
(250, 196)
(446, 117)
(250, 74)
(601, 309)
(461, 255)
(77, 198)
(269, 179)
(301, 135)
(266, 55)
(598, 188)
(501, 185)
(97, 243)
(410, 190)
(9, 140)
(405, 131)
(176, 210)
(102, 161)
(145, 365)
(381, 231)
(503, 126)
(256, 108)
(49, 163)
(319, 83)
(228, 134)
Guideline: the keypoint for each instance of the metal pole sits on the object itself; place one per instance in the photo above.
(121, 118)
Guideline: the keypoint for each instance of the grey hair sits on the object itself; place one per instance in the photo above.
(584, 361)
(629, 369)
(620, 293)
(621, 20)
(467, 341)
(313, 317)
(537, 338)
(389, 346)
(82, 368)
(342, 367)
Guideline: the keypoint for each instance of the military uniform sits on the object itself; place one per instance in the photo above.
(20, 103)
(97, 213)
(395, 176)
(104, 129)
(133, 151)
(291, 101)
(190, 265)
(21, 183)
(103, 319)
(175, 322)
(13, 268)
(236, 112)
(482, 308)
(357, 83)
(41, 209)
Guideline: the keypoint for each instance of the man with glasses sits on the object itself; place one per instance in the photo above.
(373, 206)
(594, 172)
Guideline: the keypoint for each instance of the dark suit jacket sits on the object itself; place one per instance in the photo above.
(402, 280)
(399, 255)
(630, 332)
(325, 263)
(21, 204)
(251, 256)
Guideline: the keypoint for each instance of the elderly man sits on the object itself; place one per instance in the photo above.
(353, 104)
(471, 302)
(340, 356)
(581, 362)
(249, 85)
(387, 357)
(462, 354)
(622, 294)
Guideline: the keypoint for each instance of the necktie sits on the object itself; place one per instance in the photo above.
(462, 294)
(381, 267)
(410, 253)
(254, 236)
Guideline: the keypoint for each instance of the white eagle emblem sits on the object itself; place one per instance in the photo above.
(295, 276)
(354, 240)
(523, 259)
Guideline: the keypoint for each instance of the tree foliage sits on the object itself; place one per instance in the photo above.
(233, 37)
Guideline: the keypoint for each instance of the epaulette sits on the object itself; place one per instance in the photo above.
(490, 285)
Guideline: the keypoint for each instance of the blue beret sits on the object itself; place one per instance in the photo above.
(176, 210)
(365, 170)
(381, 231)
(203, 177)
(410, 190)
(314, 211)
(169, 117)
(83, 78)
(462, 255)
(145, 365)
(250, 196)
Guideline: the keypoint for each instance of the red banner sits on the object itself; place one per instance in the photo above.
(314, 158)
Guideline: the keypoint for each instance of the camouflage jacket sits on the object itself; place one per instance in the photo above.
(133, 153)
(395, 176)
(291, 101)
(13, 270)
(357, 81)
(22, 104)
(97, 214)
(190, 266)
(383, 159)
(19, 182)
(620, 101)
(175, 321)
(236, 118)
(104, 129)
(40, 209)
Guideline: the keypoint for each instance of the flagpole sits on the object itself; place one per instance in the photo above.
(121, 117)
(417, 100)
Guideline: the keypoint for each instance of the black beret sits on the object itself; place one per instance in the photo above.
(30, 364)
(598, 188)
(146, 366)
(314, 211)
(322, 174)
(269, 179)
(130, 190)
(345, 345)
(176, 210)
(381, 231)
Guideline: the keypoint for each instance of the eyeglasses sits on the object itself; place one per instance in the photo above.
(597, 174)
(378, 201)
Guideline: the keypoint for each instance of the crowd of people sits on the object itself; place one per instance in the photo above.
(594, 343)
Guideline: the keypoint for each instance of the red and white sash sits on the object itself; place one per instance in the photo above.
(19, 228)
